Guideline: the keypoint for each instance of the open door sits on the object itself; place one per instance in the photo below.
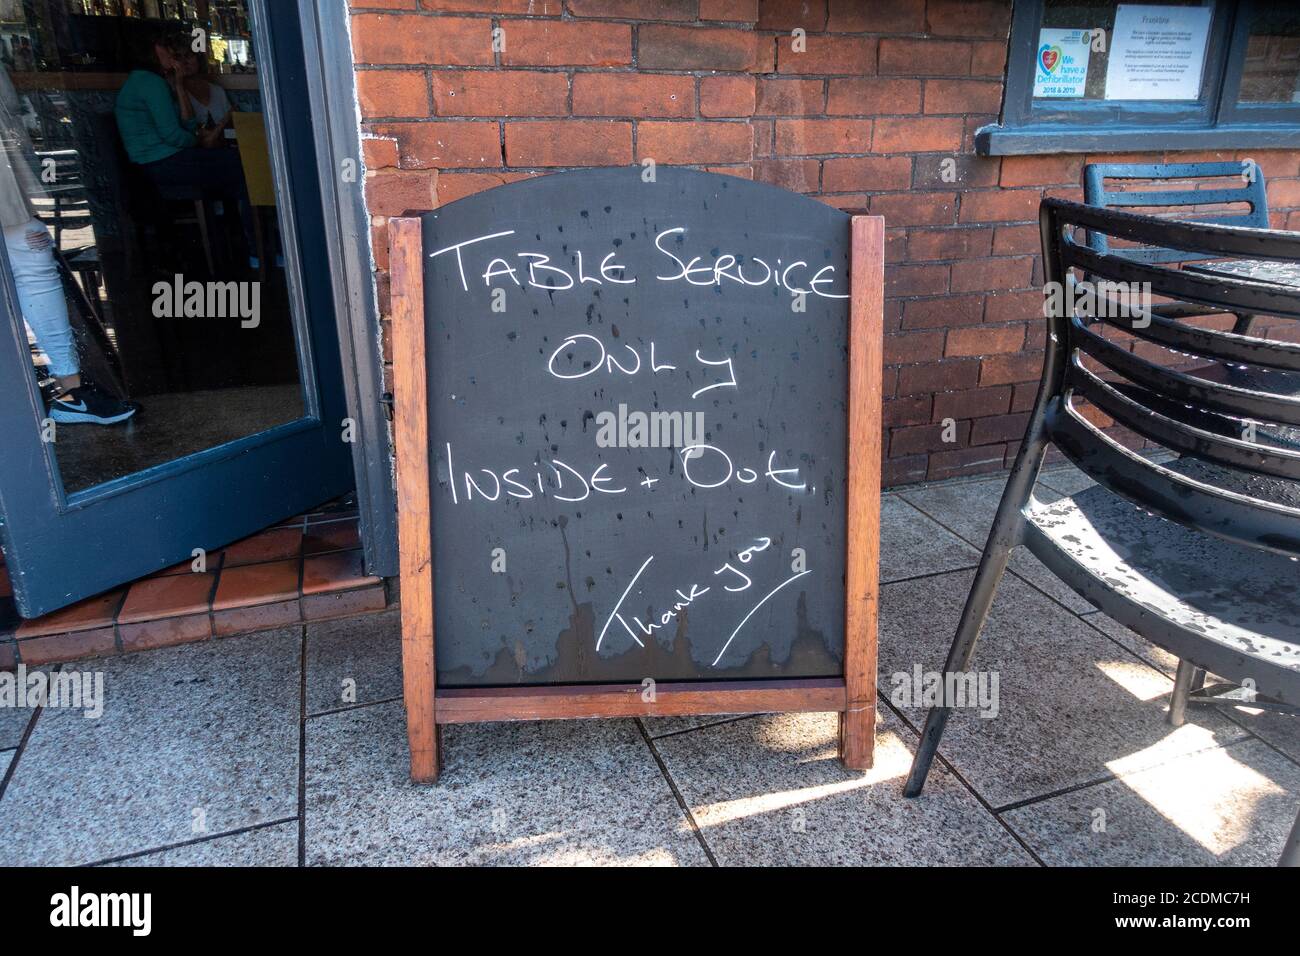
(174, 295)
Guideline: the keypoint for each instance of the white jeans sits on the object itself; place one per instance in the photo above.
(40, 296)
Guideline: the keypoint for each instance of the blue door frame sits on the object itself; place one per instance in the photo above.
(62, 547)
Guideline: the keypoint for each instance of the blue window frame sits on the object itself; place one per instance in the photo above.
(1248, 95)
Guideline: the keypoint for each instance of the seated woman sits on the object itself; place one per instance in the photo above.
(160, 130)
(209, 101)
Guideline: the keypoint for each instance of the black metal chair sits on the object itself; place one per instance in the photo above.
(1197, 554)
(64, 207)
(1248, 188)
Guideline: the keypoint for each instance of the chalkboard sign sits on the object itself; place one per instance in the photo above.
(635, 469)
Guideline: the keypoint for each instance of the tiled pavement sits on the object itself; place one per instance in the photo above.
(289, 747)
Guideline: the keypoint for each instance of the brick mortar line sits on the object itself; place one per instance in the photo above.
(695, 23)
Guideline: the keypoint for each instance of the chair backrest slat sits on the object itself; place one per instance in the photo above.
(1251, 192)
(1239, 402)
(1208, 343)
(1174, 198)
(1235, 422)
(1219, 291)
(1240, 518)
(1160, 421)
(1244, 241)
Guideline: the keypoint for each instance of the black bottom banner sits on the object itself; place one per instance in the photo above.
(215, 905)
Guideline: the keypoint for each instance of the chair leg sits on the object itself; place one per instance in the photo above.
(992, 566)
(1182, 687)
(259, 239)
(1291, 852)
(1003, 537)
(201, 213)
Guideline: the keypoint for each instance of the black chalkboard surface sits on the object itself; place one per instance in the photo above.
(637, 430)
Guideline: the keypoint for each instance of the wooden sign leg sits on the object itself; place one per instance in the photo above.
(415, 543)
(862, 561)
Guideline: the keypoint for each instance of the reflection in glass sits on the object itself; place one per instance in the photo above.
(1271, 73)
(141, 231)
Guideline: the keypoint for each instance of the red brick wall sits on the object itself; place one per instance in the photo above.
(864, 118)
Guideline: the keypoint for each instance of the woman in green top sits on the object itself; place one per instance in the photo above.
(155, 118)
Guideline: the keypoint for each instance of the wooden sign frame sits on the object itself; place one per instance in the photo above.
(853, 696)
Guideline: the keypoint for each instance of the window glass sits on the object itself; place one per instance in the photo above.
(1271, 72)
(1099, 50)
(141, 230)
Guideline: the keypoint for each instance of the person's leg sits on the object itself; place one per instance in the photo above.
(179, 176)
(224, 179)
(224, 174)
(41, 298)
(210, 174)
(45, 310)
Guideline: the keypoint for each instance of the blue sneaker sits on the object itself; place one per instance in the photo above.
(86, 405)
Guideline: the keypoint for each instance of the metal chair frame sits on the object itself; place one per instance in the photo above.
(1095, 193)
(1155, 404)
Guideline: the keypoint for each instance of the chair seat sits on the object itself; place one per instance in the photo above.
(1233, 610)
(82, 257)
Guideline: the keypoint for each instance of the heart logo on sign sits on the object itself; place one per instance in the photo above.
(1049, 57)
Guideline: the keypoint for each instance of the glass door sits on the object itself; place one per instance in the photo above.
(169, 368)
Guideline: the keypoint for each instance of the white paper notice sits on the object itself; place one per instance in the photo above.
(1061, 67)
(1157, 53)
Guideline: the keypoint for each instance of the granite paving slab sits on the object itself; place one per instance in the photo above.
(274, 845)
(550, 792)
(1066, 479)
(1229, 806)
(355, 660)
(657, 727)
(14, 718)
(912, 544)
(1279, 729)
(1071, 707)
(193, 740)
(13, 721)
(968, 509)
(772, 792)
(1157, 657)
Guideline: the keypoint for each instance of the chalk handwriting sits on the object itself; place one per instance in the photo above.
(563, 481)
(489, 264)
(677, 256)
(582, 354)
(764, 600)
(687, 596)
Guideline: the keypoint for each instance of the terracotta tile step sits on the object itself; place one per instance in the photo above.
(307, 571)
